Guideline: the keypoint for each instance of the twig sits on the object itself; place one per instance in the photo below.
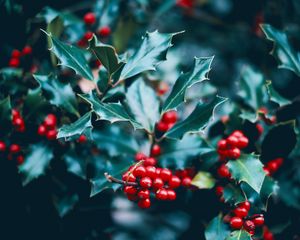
(115, 180)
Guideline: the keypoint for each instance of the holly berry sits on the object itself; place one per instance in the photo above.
(15, 53)
(50, 121)
(144, 203)
(88, 35)
(151, 172)
(157, 183)
(89, 18)
(240, 212)
(128, 177)
(140, 156)
(14, 62)
(146, 182)
(171, 194)
(27, 50)
(144, 194)
(140, 171)
(20, 159)
(236, 223)
(161, 194)
(245, 205)
(14, 148)
(2, 146)
(150, 161)
(259, 221)
(186, 182)
(51, 134)
(223, 171)
(174, 182)
(132, 197)
(249, 226)
(165, 174)
(82, 139)
(42, 130)
(268, 235)
(232, 140)
(238, 133)
(104, 31)
(222, 144)
(169, 117)
(242, 142)
(156, 150)
(219, 191)
(162, 126)
(130, 190)
(162, 88)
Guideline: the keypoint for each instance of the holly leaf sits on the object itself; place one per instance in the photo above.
(143, 104)
(179, 153)
(64, 204)
(204, 180)
(198, 74)
(248, 169)
(239, 235)
(233, 194)
(282, 51)
(152, 51)
(197, 120)
(275, 96)
(60, 94)
(83, 125)
(36, 162)
(76, 163)
(106, 54)
(115, 141)
(112, 112)
(5, 110)
(217, 229)
(70, 56)
(34, 101)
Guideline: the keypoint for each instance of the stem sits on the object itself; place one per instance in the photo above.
(119, 181)
(254, 216)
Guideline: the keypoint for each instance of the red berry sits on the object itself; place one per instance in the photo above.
(89, 18)
(272, 166)
(14, 62)
(245, 205)
(219, 191)
(169, 117)
(14, 148)
(15, 113)
(51, 134)
(132, 197)
(150, 161)
(158, 170)
(151, 172)
(237, 133)
(20, 159)
(82, 139)
(130, 190)
(50, 121)
(165, 174)
(260, 129)
(162, 88)
(267, 171)
(279, 161)
(223, 171)
(140, 156)
(232, 140)
(174, 182)
(162, 126)
(242, 142)
(18, 121)
(88, 35)
(128, 177)
(259, 221)
(170, 125)
(158, 183)
(161, 194)
(15, 53)
(146, 182)
(155, 151)
(140, 171)
(42, 130)
(171, 194)
(249, 226)
(143, 194)
(234, 153)
(240, 212)
(186, 182)
(104, 31)
(268, 235)
(2, 146)
(222, 144)
(27, 50)
(236, 223)
(144, 203)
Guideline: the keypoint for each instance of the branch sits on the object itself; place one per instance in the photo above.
(119, 181)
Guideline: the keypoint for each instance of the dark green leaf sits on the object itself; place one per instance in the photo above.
(282, 51)
(36, 162)
(34, 101)
(249, 169)
(187, 80)
(76, 164)
(239, 235)
(233, 194)
(144, 104)
(70, 56)
(203, 180)
(275, 96)
(217, 229)
(82, 126)
(5, 110)
(196, 121)
(65, 203)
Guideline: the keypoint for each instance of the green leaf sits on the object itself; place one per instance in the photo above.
(70, 56)
(64, 204)
(179, 153)
(144, 104)
(187, 80)
(217, 229)
(115, 141)
(5, 110)
(106, 54)
(239, 235)
(197, 120)
(275, 96)
(248, 169)
(282, 51)
(233, 194)
(152, 51)
(76, 163)
(36, 162)
(83, 125)
(204, 180)
(112, 112)
(34, 101)
(60, 94)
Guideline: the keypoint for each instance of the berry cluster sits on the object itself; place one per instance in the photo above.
(13, 153)
(272, 166)
(18, 121)
(16, 55)
(48, 127)
(186, 176)
(167, 121)
(240, 218)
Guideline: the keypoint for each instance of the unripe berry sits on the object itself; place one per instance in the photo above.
(162, 126)
(259, 221)
(140, 171)
(222, 144)
(88, 35)
(42, 130)
(89, 18)
(158, 183)
(14, 148)
(236, 223)
(140, 156)
(130, 190)
(150, 161)
(146, 182)
(165, 174)
(232, 141)
(151, 172)
(249, 226)
(171, 194)
(161, 194)
(186, 182)
(82, 139)
(240, 212)
(156, 150)
(50, 121)
(169, 117)
(223, 171)
(104, 31)
(144, 203)
(27, 50)
(51, 134)
(174, 182)
(14, 62)
(2, 146)
(15, 53)
(143, 194)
